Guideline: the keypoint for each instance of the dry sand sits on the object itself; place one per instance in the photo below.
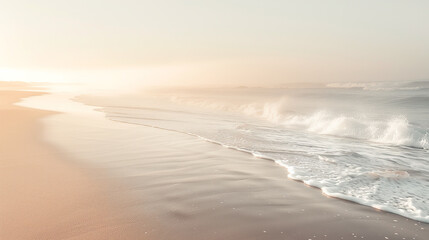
(42, 194)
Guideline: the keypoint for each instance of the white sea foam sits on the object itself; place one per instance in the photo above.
(389, 190)
(396, 130)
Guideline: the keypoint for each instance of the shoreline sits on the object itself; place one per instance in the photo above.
(193, 189)
(45, 195)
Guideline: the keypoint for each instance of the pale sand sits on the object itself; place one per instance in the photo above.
(42, 194)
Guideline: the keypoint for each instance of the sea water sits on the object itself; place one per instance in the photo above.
(368, 143)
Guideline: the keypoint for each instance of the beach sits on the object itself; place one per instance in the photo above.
(214, 120)
(44, 195)
(142, 182)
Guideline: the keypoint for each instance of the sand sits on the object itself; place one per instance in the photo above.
(43, 194)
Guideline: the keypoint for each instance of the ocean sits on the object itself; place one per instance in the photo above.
(367, 142)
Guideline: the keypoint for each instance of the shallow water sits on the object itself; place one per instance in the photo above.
(361, 144)
(177, 186)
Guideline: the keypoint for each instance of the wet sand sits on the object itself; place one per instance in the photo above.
(43, 194)
(198, 190)
(192, 189)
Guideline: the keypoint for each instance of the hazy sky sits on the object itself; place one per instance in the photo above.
(244, 42)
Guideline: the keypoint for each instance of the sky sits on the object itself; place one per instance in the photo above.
(231, 42)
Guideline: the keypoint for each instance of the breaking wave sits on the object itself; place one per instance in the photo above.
(395, 130)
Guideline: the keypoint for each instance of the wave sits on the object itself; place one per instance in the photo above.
(381, 86)
(394, 130)
(412, 101)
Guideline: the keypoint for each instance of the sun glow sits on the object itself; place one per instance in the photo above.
(19, 75)
(120, 80)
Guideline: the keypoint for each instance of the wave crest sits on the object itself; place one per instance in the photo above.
(395, 130)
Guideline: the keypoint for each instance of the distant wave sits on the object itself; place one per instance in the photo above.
(412, 101)
(381, 86)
